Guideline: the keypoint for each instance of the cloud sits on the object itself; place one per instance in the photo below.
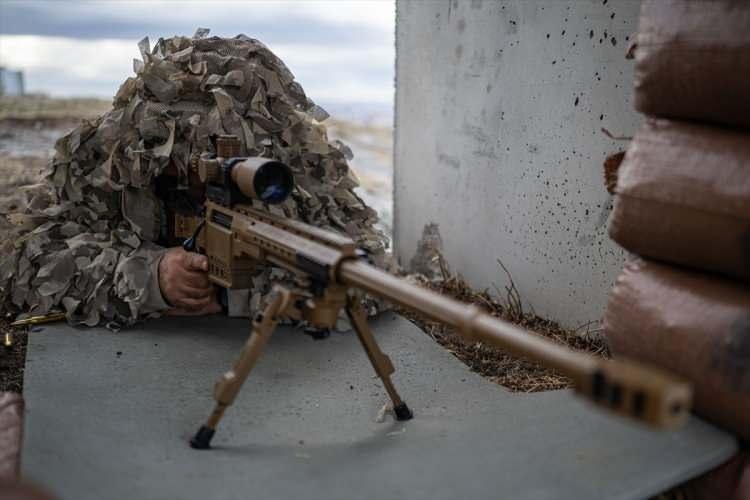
(277, 21)
(74, 67)
(339, 51)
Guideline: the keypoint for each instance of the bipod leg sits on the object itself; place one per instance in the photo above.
(380, 361)
(229, 385)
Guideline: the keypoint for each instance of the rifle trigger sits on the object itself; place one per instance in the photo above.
(190, 244)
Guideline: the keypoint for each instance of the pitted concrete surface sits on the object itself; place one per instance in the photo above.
(107, 425)
(499, 110)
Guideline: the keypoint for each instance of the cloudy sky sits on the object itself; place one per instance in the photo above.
(341, 51)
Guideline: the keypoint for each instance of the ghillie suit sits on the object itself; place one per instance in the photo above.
(91, 250)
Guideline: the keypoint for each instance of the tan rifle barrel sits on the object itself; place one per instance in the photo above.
(626, 387)
(469, 320)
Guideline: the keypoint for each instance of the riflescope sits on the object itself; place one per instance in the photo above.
(231, 179)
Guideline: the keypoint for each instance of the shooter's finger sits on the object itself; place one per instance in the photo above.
(195, 261)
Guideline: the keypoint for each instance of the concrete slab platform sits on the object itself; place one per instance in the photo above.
(109, 416)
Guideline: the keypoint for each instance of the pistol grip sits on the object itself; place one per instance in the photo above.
(191, 244)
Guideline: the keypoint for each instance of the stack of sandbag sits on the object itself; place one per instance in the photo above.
(683, 204)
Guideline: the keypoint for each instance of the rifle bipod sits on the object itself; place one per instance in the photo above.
(285, 303)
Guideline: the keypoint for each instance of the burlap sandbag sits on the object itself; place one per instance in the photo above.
(11, 435)
(683, 196)
(693, 60)
(694, 324)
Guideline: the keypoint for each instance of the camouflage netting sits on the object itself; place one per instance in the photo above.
(81, 252)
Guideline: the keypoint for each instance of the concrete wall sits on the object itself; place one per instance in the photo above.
(499, 110)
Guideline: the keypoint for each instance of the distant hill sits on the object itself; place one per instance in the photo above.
(35, 107)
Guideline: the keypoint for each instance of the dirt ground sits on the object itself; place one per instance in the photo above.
(13, 357)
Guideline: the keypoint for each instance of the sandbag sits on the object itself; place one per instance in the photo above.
(683, 196)
(693, 60)
(729, 481)
(694, 324)
(11, 435)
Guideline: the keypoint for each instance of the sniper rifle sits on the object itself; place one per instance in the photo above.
(331, 272)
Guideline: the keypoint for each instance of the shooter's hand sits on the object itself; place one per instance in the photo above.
(183, 279)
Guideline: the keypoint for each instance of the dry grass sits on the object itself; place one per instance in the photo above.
(32, 108)
(516, 374)
(19, 172)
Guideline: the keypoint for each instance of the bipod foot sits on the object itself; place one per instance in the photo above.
(402, 412)
(202, 438)
(318, 333)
